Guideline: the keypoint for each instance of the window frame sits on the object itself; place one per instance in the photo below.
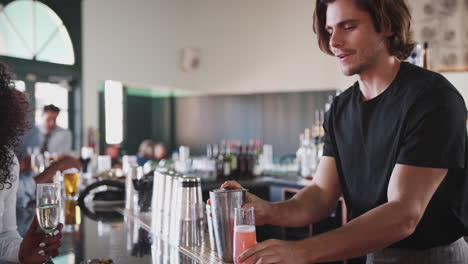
(31, 71)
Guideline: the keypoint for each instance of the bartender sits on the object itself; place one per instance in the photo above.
(395, 149)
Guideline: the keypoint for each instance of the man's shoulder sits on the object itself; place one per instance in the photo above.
(419, 84)
(61, 130)
(345, 97)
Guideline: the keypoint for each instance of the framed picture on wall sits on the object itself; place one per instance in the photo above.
(443, 24)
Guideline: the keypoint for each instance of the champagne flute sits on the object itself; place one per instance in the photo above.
(244, 231)
(48, 208)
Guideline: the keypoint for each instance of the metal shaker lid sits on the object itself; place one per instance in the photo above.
(174, 174)
(189, 181)
(162, 169)
(228, 190)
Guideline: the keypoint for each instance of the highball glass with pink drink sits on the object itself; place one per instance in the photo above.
(244, 231)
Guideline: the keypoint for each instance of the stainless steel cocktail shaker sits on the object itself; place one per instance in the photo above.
(223, 203)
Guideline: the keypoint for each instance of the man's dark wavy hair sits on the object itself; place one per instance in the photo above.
(393, 15)
(13, 124)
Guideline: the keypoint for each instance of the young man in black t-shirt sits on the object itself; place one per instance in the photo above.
(395, 149)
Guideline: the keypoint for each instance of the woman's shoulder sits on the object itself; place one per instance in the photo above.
(11, 183)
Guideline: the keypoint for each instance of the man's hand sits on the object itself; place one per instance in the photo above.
(262, 207)
(275, 251)
(64, 163)
(67, 162)
(36, 246)
(25, 164)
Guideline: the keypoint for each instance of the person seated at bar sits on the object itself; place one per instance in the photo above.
(150, 150)
(159, 151)
(34, 247)
(395, 148)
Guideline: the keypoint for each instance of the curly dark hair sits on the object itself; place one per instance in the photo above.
(394, 15)
(13, 124)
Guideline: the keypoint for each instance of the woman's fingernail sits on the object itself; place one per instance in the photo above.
(41, 252)
(42, 244)
(56, 232)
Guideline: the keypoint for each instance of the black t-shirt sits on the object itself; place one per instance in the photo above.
(419, 120)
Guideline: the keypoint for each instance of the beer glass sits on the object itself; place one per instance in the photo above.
(71, 181)
(72, 216)
(244, 231)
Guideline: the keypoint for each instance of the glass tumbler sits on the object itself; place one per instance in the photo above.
(244, 231)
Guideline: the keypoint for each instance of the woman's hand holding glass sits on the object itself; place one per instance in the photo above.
(48, 200)
(36, 247)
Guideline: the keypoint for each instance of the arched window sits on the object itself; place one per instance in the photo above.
(31, 30)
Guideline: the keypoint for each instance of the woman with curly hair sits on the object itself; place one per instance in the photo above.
(35, 245)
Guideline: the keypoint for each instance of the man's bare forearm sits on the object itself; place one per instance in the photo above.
(377, 229)
(307, 207)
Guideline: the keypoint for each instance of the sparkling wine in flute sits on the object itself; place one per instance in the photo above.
(48, 216)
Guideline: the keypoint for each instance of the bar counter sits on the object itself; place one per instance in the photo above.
(121, 236)
(111, 232)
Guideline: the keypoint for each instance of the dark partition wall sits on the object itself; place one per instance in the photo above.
(146, 118)
(195, 121)
(277, 119)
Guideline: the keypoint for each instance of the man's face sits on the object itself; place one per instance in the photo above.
(353, 38)
(50, 120)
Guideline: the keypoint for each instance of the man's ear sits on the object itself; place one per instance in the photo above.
(388, 32)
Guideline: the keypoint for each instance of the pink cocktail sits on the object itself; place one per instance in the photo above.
(244, 231)
(244, 238)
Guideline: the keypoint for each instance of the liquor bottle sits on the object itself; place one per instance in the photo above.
(307, 156)
(209, 151)
(227, 161)
(426, 56)
(242, 160)
(233, 158)
(250, 159)
(219, 161)
(258, 155)
(299, 153)
(317, 138)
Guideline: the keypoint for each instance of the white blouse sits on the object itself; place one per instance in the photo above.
(10, 239)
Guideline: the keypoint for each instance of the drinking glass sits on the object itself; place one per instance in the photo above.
(244, 231)
(71, 181)
(104, 163)
(37, 163)
(49, 158)
(72, 216)
(48, 208)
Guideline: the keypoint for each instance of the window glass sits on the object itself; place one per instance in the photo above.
(47, 23)
(51, 93)
(59, 49)
(30, 29)
(113, 102)
(10, 42)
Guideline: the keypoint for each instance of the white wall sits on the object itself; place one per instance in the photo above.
(129, 42)
(460, 81)
(246, 46)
